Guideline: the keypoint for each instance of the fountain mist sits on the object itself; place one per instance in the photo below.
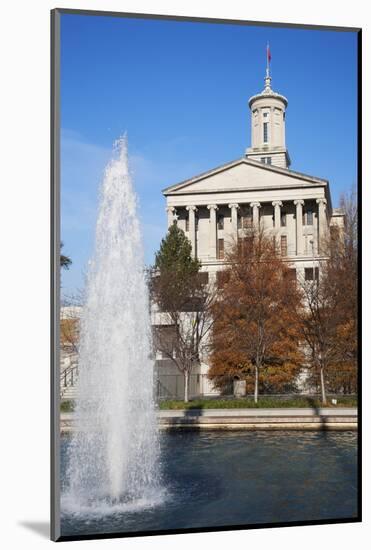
(113, 455)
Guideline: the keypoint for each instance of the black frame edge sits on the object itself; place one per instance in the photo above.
(55, 274)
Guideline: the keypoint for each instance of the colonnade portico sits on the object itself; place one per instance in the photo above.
(273, 219)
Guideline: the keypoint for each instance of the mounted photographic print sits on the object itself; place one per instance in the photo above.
(205, 193)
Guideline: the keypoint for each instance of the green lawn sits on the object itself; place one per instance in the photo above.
(265, 402)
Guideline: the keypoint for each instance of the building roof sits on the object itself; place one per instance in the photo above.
(251, 162)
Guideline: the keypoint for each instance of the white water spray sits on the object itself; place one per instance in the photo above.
(113, 455)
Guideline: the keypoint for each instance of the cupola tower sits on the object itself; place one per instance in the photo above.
(268, 112)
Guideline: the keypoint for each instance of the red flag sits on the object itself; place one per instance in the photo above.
(269, 57)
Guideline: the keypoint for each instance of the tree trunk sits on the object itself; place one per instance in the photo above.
(186, 378)
(323, 390)
(256, 390)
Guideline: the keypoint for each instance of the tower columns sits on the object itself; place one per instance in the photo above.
(212, 235)
(322, 224)
(192, 227)
(255, 214)
(277, 213)
(299, 226)
(171, 215)
(234, 218)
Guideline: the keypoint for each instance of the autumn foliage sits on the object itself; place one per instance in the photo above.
(256, 335)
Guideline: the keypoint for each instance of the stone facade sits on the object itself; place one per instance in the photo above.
(215, 207)
(258, 190)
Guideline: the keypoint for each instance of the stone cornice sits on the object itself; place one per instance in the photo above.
(244, 189)
(268, 95)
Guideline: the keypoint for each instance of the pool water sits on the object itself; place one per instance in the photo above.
(214, 479)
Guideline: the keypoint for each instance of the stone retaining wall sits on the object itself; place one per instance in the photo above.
(249, 419)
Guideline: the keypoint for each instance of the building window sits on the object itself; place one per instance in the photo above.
(290, 275)
(244, 220)
(265, 115)
(308, 217)
(283, 245)
(283, 219)
(245, 244)
(308, 273)
(265, 132)
(196, 222)
(266, 160)
(247, 221)
(221, 222)
(203, 277)
(220, 249)
(222, 278)
(187, 223)
(247, 218)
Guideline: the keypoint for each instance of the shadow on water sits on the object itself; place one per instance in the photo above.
(192, 414)
(189, 420)
(317, 410)
(42, 528)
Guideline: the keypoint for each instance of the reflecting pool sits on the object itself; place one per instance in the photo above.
(226, 478)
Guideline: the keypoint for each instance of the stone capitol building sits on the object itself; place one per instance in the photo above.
(258, 190)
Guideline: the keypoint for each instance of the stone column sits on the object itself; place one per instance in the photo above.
(277, 213)
(255, 214)
(192, 227)
(171, 215)
(299, 226)
(212, 244)
(234, 218)
(322, 224)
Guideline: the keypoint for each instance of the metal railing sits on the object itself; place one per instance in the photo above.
(68, 378)
(171, 386)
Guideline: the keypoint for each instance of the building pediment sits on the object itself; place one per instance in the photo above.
(243, 174)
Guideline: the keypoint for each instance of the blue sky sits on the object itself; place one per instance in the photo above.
(180, 91)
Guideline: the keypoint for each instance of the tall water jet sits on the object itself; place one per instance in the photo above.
(113, 455)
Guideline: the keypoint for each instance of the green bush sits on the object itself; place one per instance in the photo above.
(67, 406)
(265, 402)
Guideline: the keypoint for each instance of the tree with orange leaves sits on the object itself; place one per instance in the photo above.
(329, 322)
(255, 334)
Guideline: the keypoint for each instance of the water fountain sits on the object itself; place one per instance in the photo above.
(113, 455)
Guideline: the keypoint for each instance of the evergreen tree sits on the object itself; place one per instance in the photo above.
(175, 271)
(186, 302)
(175, 254)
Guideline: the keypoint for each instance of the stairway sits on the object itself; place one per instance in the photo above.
(68, 382)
